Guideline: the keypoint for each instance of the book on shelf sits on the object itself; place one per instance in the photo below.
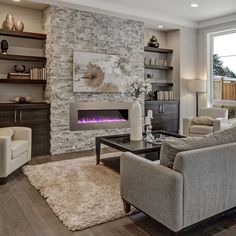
(164, 95)
(38, 74)
(13, 75)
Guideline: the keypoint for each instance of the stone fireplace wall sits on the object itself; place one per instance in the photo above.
(72, 29)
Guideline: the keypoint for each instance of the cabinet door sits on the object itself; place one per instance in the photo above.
(157, 116)
(8, 117)
(170, 117)
(33, 115)
(38, 121)
(40, 139)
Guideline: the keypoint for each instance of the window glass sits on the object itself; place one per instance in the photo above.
(224, 68)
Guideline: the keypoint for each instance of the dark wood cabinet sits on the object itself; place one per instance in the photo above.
(165, 115)
(35, 116)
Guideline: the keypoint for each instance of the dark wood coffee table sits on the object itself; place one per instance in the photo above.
(123, 143)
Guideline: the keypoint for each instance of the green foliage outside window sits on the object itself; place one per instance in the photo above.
(219, 69)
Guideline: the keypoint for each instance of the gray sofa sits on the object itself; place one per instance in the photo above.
(194, 186)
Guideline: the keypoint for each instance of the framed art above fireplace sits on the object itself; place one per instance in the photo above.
(98, 73)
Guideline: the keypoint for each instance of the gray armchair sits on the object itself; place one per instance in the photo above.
(220, 116)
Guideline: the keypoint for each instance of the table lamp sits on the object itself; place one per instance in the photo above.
(197, 86)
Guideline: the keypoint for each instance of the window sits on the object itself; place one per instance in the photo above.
(223, 71)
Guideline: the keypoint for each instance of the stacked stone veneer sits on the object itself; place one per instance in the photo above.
(71, 29)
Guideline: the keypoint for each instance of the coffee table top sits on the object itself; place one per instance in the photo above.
(122, 142)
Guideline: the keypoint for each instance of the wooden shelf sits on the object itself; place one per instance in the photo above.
(160, 84)
(22, 81)
(158, 50)
(158, 67)
(27, 35)
(22, 58)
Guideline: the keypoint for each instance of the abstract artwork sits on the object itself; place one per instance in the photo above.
(96, 72)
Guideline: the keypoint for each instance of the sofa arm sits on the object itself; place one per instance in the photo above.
(221, 123)
(5, 155)
(24, 133)
(209, 181)
(152, 188)
(187, 122)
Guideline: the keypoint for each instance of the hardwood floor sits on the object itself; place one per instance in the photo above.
(23, 212)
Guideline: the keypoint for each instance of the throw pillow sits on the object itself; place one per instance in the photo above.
(6, 132)
(203, 120)
(172, 146)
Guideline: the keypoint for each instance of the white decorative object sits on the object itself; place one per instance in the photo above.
(136, 122)
(148, 125)
(136, 88)
(150, 114)
(147, 120)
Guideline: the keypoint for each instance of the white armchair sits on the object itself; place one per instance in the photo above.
(220, 116)
(15, 150)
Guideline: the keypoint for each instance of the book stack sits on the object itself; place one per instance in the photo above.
(38, 74)
(14, 75)
(164, 95)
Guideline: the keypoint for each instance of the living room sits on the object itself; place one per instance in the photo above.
(115, 117)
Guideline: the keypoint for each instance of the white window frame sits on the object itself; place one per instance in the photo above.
(210, 53)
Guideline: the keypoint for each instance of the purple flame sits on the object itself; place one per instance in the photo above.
(100, 120)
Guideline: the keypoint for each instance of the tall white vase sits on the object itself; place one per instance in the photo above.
(136, 122)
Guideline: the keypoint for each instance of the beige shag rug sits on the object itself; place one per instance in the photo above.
(81, 193)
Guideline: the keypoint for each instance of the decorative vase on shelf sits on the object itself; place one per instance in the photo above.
(4, 46)
(8, 24)
(18, 25)
(136, 122)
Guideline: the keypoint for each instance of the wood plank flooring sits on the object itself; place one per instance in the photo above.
(23, 212)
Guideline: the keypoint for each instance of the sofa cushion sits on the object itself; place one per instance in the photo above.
(203, 120)
(6, 132)
(18, 147)
(172, 146)
(201, 129)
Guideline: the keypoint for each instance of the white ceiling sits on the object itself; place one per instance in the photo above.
(170, 13)
(207, 9)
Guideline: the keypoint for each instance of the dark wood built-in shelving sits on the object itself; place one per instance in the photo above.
(33, 115)
(158, 67)
(22, 81)
(160, 84)
(158, 50)
(22, 58)
(27, 35)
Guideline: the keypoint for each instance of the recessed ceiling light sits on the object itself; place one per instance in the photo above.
(160, 26)
(194, 5)
(16, 0)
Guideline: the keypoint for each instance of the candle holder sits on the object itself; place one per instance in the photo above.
(148, 127)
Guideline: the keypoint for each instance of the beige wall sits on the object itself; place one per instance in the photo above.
(33, 23)
(161, 36)
(188, 70)
(173, 42)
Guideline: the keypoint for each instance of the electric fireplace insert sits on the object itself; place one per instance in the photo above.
(99, 115)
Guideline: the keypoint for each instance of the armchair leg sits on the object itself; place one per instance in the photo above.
(127, 206)
(3, 180)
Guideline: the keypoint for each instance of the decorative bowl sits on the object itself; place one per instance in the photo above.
(19, 68)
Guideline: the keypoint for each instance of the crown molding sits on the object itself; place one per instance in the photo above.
(151, 19)
(218, 21)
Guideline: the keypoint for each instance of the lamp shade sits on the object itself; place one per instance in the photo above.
(197, 85)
